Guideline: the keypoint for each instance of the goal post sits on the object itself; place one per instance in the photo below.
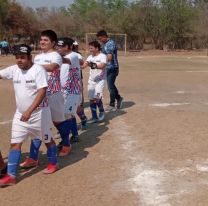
(120, 39)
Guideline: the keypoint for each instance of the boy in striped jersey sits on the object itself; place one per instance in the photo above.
(51, 61)
(70, 82)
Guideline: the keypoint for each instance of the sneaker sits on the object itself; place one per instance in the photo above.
(7, 181)
(101, 116)
(51, 168)
(120, 103)
(29, 163)
(91, 121)
(65, 151)
(3, 171)
(110, 109)
(74, 139)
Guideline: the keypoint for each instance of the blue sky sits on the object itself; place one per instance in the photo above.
(47, 3)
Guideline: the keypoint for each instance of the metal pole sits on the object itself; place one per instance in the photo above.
(86, 41)
(125, 43)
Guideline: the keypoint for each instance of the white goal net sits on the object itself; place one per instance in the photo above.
(120, 39)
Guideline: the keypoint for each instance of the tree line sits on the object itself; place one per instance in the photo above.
(177, 24)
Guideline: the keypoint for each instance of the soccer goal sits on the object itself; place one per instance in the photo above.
(120, 39)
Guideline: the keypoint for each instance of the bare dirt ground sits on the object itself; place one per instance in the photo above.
(153, 152)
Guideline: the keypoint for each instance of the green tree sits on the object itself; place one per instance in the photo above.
(176, 21)
(4, 5)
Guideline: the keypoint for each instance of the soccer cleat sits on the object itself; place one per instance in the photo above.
(101, 116)
(110, 109)
(74, 139)
(91, 121)
(29, 163)
(65, 151)
(51, 168)
(7, 181)
(120, 103)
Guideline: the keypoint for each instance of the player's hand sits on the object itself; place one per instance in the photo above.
(93, 65)
(25, 116)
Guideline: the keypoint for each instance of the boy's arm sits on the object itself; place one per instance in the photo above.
(85, 65)
(7, 73)
(37, 101)
(109, 57)
(66, 61)
(51, 67)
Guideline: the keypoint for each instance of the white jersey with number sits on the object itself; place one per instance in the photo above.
(97, 75)
(53, 77)
(26, 84)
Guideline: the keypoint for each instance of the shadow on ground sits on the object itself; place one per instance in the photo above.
(88, 138)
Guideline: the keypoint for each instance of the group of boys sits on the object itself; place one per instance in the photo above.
(50, 91)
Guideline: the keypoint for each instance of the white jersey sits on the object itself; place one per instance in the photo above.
(53, 77)
(74, 59)
(97, 75)
(70, 75)
(26, 84)
(79, 56)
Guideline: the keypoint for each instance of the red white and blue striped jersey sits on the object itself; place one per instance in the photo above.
(70, 75)
(54, 84)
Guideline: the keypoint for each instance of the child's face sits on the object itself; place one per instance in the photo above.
(23, 61)
(62, 50)
(46, 44)
(93, 50)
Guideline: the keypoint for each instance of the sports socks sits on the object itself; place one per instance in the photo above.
(34, 148)
(99, 103)
(74, 129)
(93, 108)
(13, 162)
(64, 130)
(52, 154)
(82, 116)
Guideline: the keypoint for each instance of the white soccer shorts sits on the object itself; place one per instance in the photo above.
(56, 104)
(95, 89)
(38, 126)
(71, 102)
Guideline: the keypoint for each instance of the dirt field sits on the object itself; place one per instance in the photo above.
(154, 152)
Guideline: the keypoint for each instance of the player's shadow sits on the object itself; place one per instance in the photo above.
(88, 138)
(126, 104)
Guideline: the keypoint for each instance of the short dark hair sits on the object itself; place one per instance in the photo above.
(102, 33)
(95, 44)
(63, 41)
(50, 34)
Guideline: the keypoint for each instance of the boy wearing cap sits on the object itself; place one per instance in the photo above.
(32, 116)
(97, 62)
(70, 82)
